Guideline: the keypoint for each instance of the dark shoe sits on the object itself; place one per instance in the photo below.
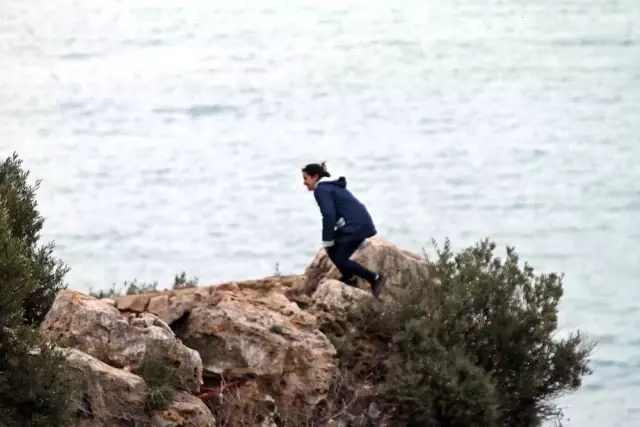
(353, 281)
(376, 286)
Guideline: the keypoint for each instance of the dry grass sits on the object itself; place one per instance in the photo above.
(243, 403)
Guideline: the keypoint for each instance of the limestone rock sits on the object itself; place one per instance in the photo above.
(332, 303)
(135, 303)
(172, 305)
(397, 265)
(158, 304)
(97, 328)
(186, 411)
(110, 396)
(169, 308)
(336, 297)
(260, 333)
(115, 397)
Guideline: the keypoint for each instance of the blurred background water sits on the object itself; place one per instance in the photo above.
(170, 135)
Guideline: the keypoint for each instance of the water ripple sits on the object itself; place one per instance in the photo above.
(170, 136)
(196, 111)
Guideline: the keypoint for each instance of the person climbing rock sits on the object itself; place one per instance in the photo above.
(346, 224)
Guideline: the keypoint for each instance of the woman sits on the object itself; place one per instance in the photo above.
(346, 224)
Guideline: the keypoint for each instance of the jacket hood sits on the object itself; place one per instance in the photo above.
(340, 182)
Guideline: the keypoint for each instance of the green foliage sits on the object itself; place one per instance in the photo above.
(276, 329)
(180, 281)
(36, 388)
(134, 287)
(157, 370)
(476, 346)
(433, 386)
(507, 316)
(25, 223)
(108, 293)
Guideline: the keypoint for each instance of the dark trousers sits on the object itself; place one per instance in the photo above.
(340, 253)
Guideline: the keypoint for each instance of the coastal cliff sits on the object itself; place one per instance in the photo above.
(467, 338)
(261, 342)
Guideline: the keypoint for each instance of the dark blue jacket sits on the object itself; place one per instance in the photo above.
(344, 218)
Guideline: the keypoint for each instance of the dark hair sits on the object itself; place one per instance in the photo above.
(316, 169)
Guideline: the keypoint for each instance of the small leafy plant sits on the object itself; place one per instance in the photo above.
(276, 329)
(157, 370)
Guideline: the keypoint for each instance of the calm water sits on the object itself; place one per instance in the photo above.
(170, 135)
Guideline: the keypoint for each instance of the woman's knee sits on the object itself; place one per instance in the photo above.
(341, 263)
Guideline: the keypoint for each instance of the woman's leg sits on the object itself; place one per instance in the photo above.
(340, 254)
(347, 277)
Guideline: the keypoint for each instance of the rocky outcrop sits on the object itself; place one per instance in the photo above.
(238, 346)
(117, 398)
(333, 302)
(100, 330)
(250, 330)
(334, 297)
(110, 396)
(398, 266)
(186, 411)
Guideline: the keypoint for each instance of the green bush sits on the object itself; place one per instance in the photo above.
(36, 388)
(135, 287)
(112, 292)
(433, 386)
(157, 370)
(180, 281)
(25, 223)
(476, 345)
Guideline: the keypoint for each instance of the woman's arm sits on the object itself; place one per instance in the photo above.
(328, 209)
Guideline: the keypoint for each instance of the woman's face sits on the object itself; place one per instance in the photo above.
(309, 181)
